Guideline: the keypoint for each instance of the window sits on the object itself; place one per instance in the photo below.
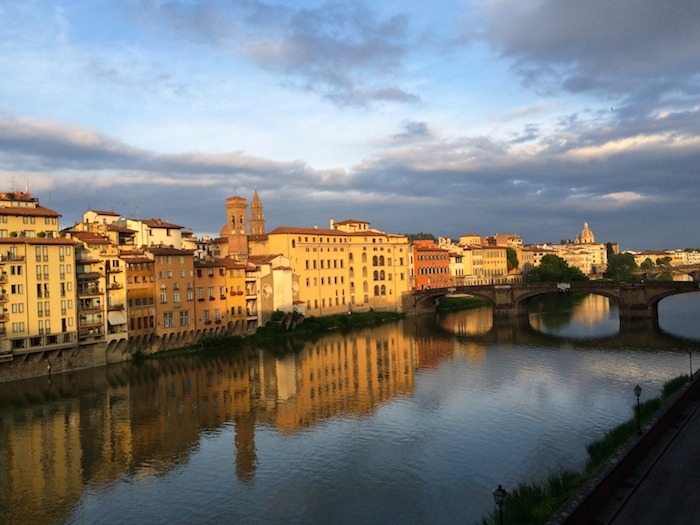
(184, 317)
(168, 319)
(207, 317)
(163, 297)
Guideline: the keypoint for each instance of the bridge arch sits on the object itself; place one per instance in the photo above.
(635, 300)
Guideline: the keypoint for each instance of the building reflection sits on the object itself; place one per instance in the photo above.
(146, 420)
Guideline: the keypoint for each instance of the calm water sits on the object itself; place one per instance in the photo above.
(409, 423)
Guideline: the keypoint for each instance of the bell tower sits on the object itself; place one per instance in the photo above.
(257, 219)
(236, 213)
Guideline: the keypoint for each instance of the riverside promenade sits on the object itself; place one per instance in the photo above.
(654, 479)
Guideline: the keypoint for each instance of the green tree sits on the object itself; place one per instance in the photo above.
(421, 236)
(621, 267)
(553, 268)
(648, 264)
(664, 261)
(512, 256)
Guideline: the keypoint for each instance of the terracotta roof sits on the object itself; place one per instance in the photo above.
(166, 250)
(90, 237)
(21, 211)
(351, 221)
(157, 223)
(135, 260)
(306, 231)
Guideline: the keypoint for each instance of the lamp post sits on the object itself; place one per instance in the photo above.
(638, 392)
(499, 496)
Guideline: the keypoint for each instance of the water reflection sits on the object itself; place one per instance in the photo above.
(574, 315)
(410, 415)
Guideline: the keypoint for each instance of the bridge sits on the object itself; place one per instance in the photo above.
(634, 300)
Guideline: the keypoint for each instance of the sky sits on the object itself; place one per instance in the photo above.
(447, 117)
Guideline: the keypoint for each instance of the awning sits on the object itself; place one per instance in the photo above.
(115, 318)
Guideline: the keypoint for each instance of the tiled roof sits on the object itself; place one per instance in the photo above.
(21, 211)
(157, 223)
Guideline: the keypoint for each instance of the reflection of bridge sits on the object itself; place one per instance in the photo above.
(634, 300)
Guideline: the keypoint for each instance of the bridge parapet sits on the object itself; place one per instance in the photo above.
(635, 300)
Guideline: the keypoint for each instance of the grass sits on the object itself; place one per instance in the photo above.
(461, 303)
(535, 503)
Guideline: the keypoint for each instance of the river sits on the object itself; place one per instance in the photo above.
(414, 423)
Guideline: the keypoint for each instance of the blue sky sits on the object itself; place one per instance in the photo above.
(448, 117)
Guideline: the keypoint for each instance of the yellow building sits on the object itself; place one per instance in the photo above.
(22, 216)
(346, 267)
(140, 293)
(38, 295)
(211, 306)
(38, 279)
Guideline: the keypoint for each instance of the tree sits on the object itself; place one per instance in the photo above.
(421, 236)
(554, 269)
(512, 256)
(664, 261)
(621, 267)
(648, 264)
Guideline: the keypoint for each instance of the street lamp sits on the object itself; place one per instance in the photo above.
(638, 392)
(499, 496)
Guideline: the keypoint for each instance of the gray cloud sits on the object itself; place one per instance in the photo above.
(636, 51)
(340, 50)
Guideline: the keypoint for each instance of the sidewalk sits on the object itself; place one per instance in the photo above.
(654, 479)
(665, 486)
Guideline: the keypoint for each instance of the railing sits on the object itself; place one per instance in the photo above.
(88, 275)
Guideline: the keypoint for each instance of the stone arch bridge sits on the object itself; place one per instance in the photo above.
(634, 300)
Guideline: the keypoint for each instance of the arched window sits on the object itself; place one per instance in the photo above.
(382, 275)
(383, 290)
(376, 291)
(376, 275)
(352, 272)
(381, 260)
(374, 261)
(364, 257)
(365, 287)
(364, 271)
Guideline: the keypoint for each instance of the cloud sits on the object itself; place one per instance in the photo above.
(342, 51)
(638, 51)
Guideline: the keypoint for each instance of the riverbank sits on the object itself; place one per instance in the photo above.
(281, 334)
(537, 503)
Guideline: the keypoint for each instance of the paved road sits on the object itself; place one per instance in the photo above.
(664, 489)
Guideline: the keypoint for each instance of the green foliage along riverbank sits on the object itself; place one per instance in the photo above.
(283, 331)
(535, 503)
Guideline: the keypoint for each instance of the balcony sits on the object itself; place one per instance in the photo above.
(88, 275)
(3, 298)
(4, 318)
(115, 286)
(10, 257)
(85, 292)
(114, 307)
(3, 277)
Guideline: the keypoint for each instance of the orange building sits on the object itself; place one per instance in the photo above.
(174, 271)
(431, 265)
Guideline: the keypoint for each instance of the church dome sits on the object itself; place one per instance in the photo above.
(586, 236)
